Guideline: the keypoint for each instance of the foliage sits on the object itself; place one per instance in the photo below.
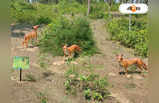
(115, 7)
(65, 31)
(65, 7)
(36, 13)
(91, 85)
(98, 10)
(137, 38)
(44, 13)
(43, 98)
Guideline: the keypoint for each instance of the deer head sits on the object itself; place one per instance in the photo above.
(119, 57)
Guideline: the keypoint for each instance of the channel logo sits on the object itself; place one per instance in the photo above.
(133, 8)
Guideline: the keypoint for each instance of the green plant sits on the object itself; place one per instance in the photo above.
(72, 7)
(91, 85)
(87, 94)
(43, 98)
(97, 96)
(137, 38)
(115, 7)
(23, 12)
(65, 31)
(98, 10)
(72, 70)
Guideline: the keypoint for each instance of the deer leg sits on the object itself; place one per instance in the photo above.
(126, 71)
(23, 43)
(120, 68)
(70, 54)
(36, 38)
(145, 67)
(64, 56)
(140, 66)
(26, 43)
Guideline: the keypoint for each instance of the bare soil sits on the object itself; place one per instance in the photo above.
(50, 80)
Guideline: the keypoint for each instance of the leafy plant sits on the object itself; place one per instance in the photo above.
(43, 97)
(97, 96)
(98, 10)
(23, 12)
(92, 87)
(137, 38)
(87, 94)
(65, 31)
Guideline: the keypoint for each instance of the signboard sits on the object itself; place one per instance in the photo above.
(133, 8)
(20, 62)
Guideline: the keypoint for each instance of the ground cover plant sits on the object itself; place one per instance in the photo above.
(91, 85)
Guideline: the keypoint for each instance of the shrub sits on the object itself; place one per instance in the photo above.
(65, 31)
(23, 12)
(38, 13)
(74, 7)
(137, 38)
(142, 49)
(98, 10)
(115, 7)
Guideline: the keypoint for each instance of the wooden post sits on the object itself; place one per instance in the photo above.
(130, 22)
(20, 74)
(130, 17)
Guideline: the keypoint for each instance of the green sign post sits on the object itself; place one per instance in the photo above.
(19, 63)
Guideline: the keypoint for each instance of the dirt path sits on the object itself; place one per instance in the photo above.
(121, 89)
(49, 82)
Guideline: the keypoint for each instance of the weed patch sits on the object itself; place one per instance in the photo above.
(91, 85)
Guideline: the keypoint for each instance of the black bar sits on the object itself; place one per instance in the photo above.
(20, 74)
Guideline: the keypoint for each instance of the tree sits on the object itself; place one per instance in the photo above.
(88, 7)
(57, 1)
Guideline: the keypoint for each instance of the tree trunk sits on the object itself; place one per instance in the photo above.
(56, 1)
(88, 7)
